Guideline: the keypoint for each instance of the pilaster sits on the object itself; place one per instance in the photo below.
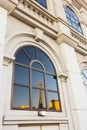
(59, 10)
(63, 78)
(76, 94)
(3, 21)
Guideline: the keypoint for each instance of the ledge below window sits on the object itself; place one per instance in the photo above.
(33, 120)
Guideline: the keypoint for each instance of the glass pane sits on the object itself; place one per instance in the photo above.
(85, 88)
(49, 67)
(74, 26)
(74, 15)
(54, 103)
(21, 75)
(85, 72)
(43, 2)
(37, 65)
(38, 97)
(67, 15)
(67, 9)
(22, 58)
(36, 77)
(84, 76)
(21, 97)
(79, 29)
(42, 56)
(73, 19)
(31, 51)
(69, 21)
(51, 82)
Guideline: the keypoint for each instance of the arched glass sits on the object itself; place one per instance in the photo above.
(73, 19)
(35, 84)
(42, 2)
(84, 76)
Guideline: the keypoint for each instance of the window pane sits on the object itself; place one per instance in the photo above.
(69, 21)
(73, 19)
(85, 88)
(36, 77)
(54, 103)
(67, 15)
(85, 73)
(51, 82)
(49, 67)
(22, 58)
(42, 56)
(21, 97)
(84, 76)
(31, 51)
(21, 75)
(43, 2)
(38, 99)
(79, 29)
(37, 65)
(74, 26)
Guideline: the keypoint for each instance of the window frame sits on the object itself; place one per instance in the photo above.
(75, 23)
(31, 68)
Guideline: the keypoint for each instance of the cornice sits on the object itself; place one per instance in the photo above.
(9, 5)
(76, 40)
(80, 3)
(35, 16)
(78, 46)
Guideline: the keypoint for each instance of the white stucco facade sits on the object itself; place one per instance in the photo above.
(26, 22)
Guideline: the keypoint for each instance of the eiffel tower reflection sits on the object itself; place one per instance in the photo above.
(40, 106)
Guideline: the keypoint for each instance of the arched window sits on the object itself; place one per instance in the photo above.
(84, 76)
(35, 83)
(42, 2)
(73, 19)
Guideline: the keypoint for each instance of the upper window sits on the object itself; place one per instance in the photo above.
(35, 84)
(42, 2)
(84, 76)
(73, 19)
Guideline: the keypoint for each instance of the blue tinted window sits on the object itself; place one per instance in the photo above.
(84, 76)
(37, 65)
(35, 81)
(42, 2)
(21, 75)
(31, 52)
(42, 56)
(51, 82)
(20, 97)
(21, 57)
(49, 67)
(73, 19)
(36, 77)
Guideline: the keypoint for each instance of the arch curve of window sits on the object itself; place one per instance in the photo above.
(72, 19)
(35, 84)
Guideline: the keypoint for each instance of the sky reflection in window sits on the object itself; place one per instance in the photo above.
(35, 81)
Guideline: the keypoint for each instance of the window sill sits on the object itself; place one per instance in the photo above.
(21, 119)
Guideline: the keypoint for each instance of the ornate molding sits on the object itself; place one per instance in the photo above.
(81, 3)
(31, 13)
